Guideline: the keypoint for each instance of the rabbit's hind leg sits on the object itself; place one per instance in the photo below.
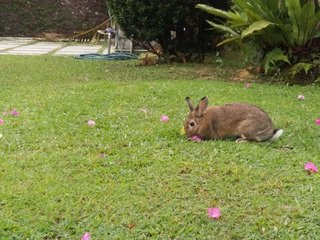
(242, 139)
(264, 134)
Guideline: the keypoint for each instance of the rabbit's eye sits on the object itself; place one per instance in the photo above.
(192, 124)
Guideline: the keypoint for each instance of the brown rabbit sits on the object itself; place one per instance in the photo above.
(244, 121)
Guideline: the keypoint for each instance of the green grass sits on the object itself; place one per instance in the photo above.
(151, 182)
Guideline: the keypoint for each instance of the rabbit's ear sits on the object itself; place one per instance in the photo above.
(202, 106)
(191, 107)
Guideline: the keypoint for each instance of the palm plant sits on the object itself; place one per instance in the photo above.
(285, 30)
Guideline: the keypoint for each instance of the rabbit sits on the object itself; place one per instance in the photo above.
(244, 121)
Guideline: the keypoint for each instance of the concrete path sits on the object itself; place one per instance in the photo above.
(29, 46)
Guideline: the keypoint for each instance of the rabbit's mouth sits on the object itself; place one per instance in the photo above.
(193, 134)
(196, 138)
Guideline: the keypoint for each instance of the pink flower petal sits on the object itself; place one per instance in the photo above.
(248, 85)
(91, 123)
(311, 167)
(214, 213)
(86, 236)
(301, 97)
(196, 138)
(1, 121)
(164, 118)
(14, 112)
(318, 121)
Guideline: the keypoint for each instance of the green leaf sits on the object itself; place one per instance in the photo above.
(272, 5)
(316, 35)
(256, 26)
(306, 23)
(223, 28)
(228, 40)
(303, 21)
(214, 11)
(274, 56)
(235, 17)
(294, 12)
(299, 67)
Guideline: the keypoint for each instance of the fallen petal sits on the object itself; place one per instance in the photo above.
(301, 97)
(91, 123)
(14, 112)
(164, 118)
(214, 213)
(311, 167)
(318, 121)
(248, 85)
(86, 236)
(1, 121)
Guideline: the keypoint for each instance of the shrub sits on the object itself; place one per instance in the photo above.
(176, 25)
(287, 31)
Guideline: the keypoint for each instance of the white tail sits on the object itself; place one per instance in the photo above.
(276, 134)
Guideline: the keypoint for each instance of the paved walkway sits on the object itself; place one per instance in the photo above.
(29, 46)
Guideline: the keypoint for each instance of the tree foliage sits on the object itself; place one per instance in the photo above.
(176, 25)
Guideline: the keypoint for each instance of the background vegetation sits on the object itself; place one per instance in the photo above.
(178, 27)
(285, 35)
(132, 176)
(29, 18)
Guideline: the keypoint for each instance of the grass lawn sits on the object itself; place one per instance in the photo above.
(132, 176)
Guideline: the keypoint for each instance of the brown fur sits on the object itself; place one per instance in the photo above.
(245, 121)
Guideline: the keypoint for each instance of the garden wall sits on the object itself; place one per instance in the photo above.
(30, 18)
